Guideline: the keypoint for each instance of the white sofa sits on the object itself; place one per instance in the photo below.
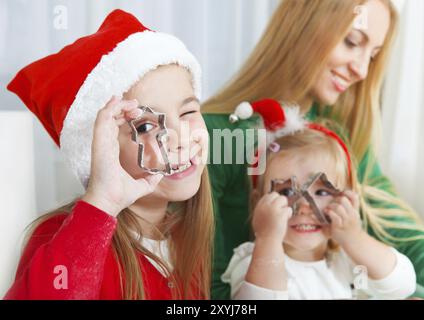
(17, 189)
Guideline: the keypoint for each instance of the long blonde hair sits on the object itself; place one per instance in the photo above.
(375, 216)
(290, 56)
(189, 225)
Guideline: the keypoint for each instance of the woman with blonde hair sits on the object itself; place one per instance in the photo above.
(328, 56)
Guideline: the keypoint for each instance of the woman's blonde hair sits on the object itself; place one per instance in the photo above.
(189, 226)
(377, 217)
(290, 56)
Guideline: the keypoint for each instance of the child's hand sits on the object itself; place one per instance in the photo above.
(270, 217)
(345, 218)
(110, 187)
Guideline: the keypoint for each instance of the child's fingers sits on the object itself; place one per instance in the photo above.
(336, 221)
(120, 122)
(154, 179)
(270, 197)
(353, 197)
(108, 115)
(348, 206)
(131, 111)
(118, 112)
(267, 200)
(287, 212)
(344, 201)
(132, 114)
(104, 113)
(128, 116)
(110, 105)
(339, 210)
(131, 106)
(114, 100)
(115, 107)
(279, 202)
(123, 106)
(149, 183)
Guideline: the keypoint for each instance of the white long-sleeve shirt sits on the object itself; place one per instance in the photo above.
(324, 279)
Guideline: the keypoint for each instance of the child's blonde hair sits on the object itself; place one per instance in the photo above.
(190, 227)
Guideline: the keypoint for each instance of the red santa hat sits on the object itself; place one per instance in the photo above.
(66, 90)
(280, 121)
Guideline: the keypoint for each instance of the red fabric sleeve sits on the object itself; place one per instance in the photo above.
(65, 256)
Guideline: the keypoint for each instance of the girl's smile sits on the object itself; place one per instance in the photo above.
(306, 228)
(190, 169)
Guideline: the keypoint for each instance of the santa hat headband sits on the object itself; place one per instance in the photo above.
(67, 89)
(281, 121)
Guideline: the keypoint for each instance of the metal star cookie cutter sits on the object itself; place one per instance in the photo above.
(160, 138)
(303, 191)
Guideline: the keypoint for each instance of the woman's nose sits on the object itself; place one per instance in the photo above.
(359, 67)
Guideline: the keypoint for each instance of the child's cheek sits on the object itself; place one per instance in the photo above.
(197, 121)
(199, 136)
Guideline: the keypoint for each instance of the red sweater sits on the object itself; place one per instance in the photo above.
(81, 243)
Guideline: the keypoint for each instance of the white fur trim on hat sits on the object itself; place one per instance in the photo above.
(294, 123)
(115, 74)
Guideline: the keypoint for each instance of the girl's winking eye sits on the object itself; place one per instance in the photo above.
(188, 113)
(191, 108)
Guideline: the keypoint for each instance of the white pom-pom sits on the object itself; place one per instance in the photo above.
(244, 110)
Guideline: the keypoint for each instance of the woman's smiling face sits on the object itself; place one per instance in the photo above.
(349, 61)
(168, 90)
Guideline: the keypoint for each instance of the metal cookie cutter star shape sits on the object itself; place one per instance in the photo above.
(153, 138)
(291, 189)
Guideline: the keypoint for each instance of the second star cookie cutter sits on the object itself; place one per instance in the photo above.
(302, 191)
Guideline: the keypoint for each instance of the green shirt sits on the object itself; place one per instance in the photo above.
(231, 195)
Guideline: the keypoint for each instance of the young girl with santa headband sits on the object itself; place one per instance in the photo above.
(138, 232)
(310, 242)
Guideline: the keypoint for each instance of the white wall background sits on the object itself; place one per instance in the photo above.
(17, 206)
(402, 150)
(220, 33)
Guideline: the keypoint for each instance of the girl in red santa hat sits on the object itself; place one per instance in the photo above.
(310, 242)
(136, 233)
